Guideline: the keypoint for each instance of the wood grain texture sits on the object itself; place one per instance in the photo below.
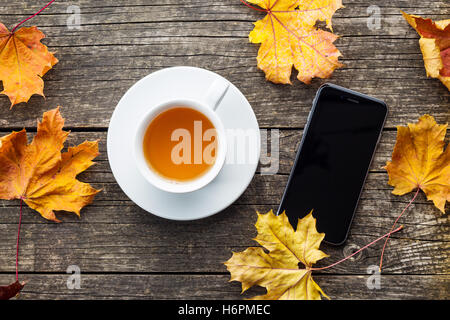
(289, 140)
(201, 287)
(121, 42)
(125, 252)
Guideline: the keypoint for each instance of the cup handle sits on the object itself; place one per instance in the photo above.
(216, 92)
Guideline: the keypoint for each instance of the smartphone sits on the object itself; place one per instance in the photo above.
(333, 159)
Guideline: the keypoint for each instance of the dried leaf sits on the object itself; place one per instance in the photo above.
(435, 46)
(8, 292)
(278, 271)
(23, 62)
(289, 38)
(419, 161)
(40, 174)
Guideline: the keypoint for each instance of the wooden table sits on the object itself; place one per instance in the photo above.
(125, 252)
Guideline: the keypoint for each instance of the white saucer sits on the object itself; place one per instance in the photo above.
(179, 82)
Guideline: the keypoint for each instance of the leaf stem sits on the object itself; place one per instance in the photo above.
(252, 7)
(356, 252)
(17, 243)
(395, 223)
(32, 16)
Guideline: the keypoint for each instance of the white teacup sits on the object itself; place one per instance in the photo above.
(207, 105)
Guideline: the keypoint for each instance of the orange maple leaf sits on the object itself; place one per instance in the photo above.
(435, 46)
(23, 62)
(420, 161)
(289, 38)
(40, 175)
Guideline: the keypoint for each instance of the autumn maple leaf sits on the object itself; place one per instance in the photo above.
(23, 62)
(289, 38)
(435, 46)
(40, 175)
(12, 290)
(419, 161)
(278, 271)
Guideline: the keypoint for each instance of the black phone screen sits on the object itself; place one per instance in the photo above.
(333, 160)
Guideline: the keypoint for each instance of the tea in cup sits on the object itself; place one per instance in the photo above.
(180, 145)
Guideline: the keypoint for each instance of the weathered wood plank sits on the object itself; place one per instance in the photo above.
(116, 47)
(125, 238)
(120, 286)
(140, 10)
(289, 140)
(264, 190)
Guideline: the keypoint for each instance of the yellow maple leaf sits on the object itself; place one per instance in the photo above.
(40, 175)
(289, 38)
(419, 161)
(278, 271)
(23, 62)
(435, 46)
